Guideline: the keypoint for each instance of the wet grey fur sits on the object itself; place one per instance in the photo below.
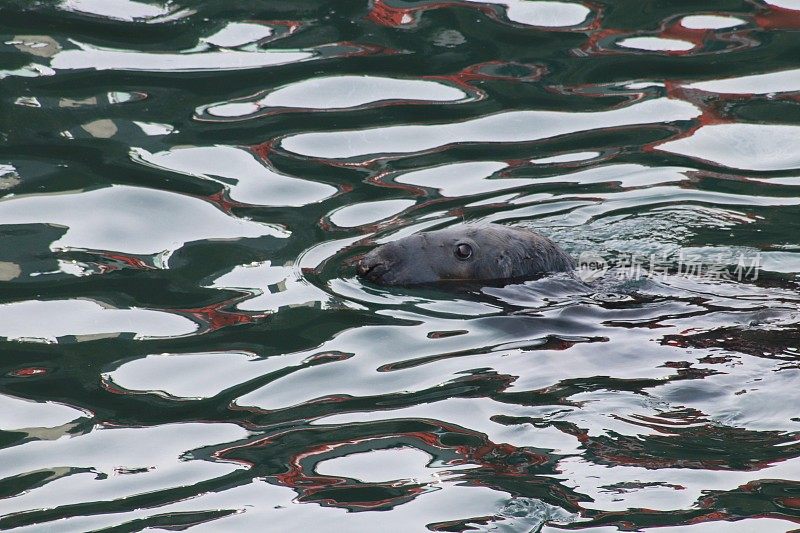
(498, 253)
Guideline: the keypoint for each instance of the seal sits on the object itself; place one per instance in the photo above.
(466, 252)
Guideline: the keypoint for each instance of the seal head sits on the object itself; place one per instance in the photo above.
(464, 253)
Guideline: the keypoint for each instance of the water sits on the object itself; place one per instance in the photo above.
(185, 187)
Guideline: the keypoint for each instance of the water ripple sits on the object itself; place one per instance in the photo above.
(507, 127)
(130, 219)
(185, 188)
(334, 93)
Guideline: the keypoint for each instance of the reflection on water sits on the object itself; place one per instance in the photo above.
(338, 92)
(248, 180)
(769, 83)
(184, 190)
(125, 10)
(710, 22)
(656, 44)
(509, 127)
(742, 146)
(128, 219)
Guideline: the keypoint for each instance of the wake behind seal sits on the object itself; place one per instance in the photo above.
(467, 253)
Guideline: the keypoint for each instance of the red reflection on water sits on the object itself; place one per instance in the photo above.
(385, 179)
(713, 112)
(281, 28)
(605, 41)
(793, 503)
(323, 489)
(778, 18)
(447, 444)
(263, 150)
(223, 201)
(113, 261)
(109, 386)
(489, 70)
(381, 12)
(709, 517)
(595, 44)
(219, 315)
(27, 372)
(385, 15)
(361, 49)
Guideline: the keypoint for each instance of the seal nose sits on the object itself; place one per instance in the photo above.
(372, 266)
(364, 266)
(367, 264)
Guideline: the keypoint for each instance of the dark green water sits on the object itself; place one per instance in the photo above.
(185, 186)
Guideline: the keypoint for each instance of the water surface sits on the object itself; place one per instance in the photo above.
(184, 187)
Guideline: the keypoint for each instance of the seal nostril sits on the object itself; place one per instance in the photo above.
(368, 265)
(363, 268)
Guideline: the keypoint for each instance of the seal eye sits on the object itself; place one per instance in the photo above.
(463, 251)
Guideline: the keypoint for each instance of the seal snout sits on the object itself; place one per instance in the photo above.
(372, 266)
